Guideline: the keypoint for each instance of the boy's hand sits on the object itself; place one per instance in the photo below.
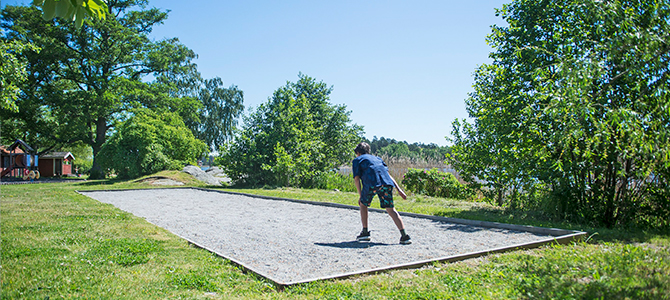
(402, 194)
(400, 191)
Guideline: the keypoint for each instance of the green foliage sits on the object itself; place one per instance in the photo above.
(83, 157)
(218, 118)
(85, 80)
(333, 180)
(574, 107)
(75, 10)
(12, 71)
(392, 148)
(149, 142)
(291, 139)
(434, 183)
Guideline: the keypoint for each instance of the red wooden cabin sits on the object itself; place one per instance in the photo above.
(56, 164)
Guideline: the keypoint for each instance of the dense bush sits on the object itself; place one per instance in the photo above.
(149, 142)
(291, 139)
(434, 183)
(573, 107)
(333, 180)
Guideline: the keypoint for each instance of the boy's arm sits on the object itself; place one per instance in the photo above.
(357, 182)
(400, 192)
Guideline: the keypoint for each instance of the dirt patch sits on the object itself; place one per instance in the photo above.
(160, 180)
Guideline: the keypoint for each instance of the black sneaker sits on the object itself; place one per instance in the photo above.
(405, 240)
(364, 236)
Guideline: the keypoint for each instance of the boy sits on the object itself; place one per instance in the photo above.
(376, 180)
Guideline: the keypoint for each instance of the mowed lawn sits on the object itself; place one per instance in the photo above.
(59, 244)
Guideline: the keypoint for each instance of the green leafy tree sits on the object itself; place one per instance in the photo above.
(83, 157)
(84, 80)
(149, 142)
(486, 154)
(397, 150)
(75, 10)
(392, 148)
(220, 110)
(382, 142)
(434, 183)
(575, 104)
(292, 138)
(12, 72)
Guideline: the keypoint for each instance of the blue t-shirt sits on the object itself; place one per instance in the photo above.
(372, 170)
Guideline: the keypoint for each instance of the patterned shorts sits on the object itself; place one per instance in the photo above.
(385, 194)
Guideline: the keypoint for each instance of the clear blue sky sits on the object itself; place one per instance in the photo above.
(403, 68)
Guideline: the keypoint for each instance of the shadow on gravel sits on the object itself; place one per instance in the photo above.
(352, 245)
(459, 227)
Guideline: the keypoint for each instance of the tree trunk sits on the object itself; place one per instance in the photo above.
(100, 136)
(500, 199)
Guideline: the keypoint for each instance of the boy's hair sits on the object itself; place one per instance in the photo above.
(362, 148)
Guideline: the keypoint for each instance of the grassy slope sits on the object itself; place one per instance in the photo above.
(59, 244)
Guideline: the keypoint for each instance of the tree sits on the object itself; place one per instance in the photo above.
(486, 153)
(392, 148)
(292, 138)
(83, 157)
(218, 118)
(397, 150)
(575, 104)
(84, 81)
(149, 142)
(75, 10)
(12, 72)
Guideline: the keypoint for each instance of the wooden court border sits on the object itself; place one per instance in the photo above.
(558, 236)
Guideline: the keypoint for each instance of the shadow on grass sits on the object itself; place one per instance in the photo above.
(102, 182)
(492, 214)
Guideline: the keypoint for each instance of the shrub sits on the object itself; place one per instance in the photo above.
(334, 180)
(83, 155)
(149, 142)
(434, 183)
(292, 138)
(576, 116)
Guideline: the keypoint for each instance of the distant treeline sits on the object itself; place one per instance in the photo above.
(398, 149)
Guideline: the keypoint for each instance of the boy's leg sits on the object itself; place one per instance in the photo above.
(365, 234)
(364, 214)
(396, 218)
(386, 201)
(363, 203)
(404, 238)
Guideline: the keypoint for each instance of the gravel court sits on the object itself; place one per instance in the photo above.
(290, 241)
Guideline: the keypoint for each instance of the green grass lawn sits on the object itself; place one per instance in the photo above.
(59, 244)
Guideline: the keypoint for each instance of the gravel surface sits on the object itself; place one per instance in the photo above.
(290, 242)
